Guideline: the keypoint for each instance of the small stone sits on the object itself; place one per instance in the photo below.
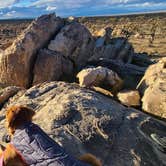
(129, 97)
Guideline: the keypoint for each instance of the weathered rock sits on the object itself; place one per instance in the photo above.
(75, 42)
(131, 74)
(117, 49)
(16, 62)
(129, 97)
(8, 92)
(84, 121)
(153, 89)
(51, 66)
(99, 76)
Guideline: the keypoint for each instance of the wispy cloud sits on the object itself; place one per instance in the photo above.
(34, 8)
(7, 3)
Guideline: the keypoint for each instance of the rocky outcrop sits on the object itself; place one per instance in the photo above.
(129, 97)
(51, 66)
(75, 42)
(16, 63)
(84, 121)
(100, 76)
(153, 89)
(117, 48)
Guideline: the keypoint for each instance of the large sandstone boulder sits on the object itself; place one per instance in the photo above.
(75, 42)
(51, 66)
(84, 121)
(153, 89)
(16, 62)
(99, 76)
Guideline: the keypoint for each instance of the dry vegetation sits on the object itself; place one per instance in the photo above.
(147, 32)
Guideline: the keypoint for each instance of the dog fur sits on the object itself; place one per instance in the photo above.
(17, 116)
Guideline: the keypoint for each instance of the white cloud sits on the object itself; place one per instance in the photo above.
(62, 3)
(7, 3)
(146, 5)
(51, 8)
(10, 14)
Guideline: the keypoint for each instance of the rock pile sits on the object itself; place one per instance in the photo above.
(17, 61)
(54, 49)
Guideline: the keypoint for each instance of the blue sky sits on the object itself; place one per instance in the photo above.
(64, 8)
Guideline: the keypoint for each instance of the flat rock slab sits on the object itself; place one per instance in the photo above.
(84, 121)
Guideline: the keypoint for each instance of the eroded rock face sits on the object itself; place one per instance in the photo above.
(117, 48)
(75, 42)
(129, 97)
(16, 62)
(84, 121)
(51, 66)
(153, 88)
(99, 76)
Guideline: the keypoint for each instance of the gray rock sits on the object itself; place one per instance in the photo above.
(85, 121)
(118, 49)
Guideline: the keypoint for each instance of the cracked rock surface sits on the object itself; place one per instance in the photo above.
(85, 121)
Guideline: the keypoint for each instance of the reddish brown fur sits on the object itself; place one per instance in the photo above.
(90, 159)
(17, 116)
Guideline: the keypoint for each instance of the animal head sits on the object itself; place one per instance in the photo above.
(16, 116)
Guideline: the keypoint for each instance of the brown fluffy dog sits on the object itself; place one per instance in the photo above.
(16, 116)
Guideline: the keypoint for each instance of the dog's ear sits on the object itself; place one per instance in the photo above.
(18, 115)
(2, 148)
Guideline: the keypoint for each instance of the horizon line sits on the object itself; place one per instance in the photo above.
(107, 15)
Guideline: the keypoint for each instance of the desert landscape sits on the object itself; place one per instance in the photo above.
(97, 84)
(146, 32)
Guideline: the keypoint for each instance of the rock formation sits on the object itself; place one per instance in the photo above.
(51, 66)
(16, 63)
(84, 121)
(117, 48)
(81, 120)
(153, 89)
(75, 42)
(100, 76)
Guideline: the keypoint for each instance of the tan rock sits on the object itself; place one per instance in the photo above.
(75, 42)
(153, 89)
(16, 62)
(51, 66)
(129, 97)
(99, 76)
